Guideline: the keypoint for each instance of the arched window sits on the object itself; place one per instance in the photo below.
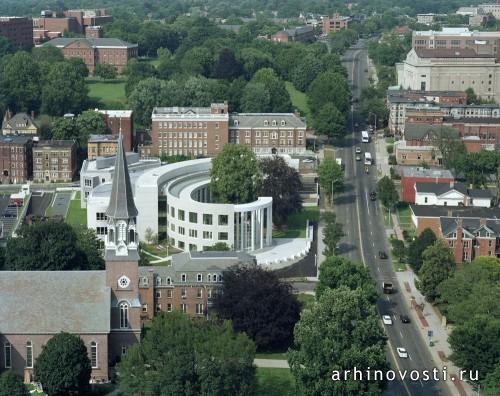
(7, 354)
(111, 235)
(169, 281)
(29, 354)
(123, 315)
(209, 276)
(131, 236)
(183, 278)
(121, 232)
(199, 277)
(93, 354)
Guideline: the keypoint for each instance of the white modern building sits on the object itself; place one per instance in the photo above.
(173, 201)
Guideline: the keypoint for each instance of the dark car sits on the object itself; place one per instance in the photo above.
(373, 195)
(382, 255)
(404, 318)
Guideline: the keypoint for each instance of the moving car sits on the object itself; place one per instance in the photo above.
(402, 353)
(373, 195)
(358, 150)
(382, 255)
(358, 158)
(404, 318)
(387, 320)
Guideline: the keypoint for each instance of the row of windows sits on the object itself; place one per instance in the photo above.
(185, 124)
(222, 236)
(185, 135)
(265, 142)
(170, 293)
(193, 217)
(143, 281)
(199, 308)
(187, 143)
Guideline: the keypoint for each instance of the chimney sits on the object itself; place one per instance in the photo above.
(32, 114)
(452, 184)
(450, 213)
(482, 221)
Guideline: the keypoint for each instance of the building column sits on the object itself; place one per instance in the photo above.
(269, 225)
(261, 224)
(252, 230)
(242, 233)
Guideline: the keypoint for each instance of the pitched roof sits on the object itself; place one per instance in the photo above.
(439, 188)
(47, 302)
(455, 211)
(48, 144)
(420, 131)
(121, 201)
(62, 42)
(480, 193)
(23, 119)
(258, 120)
(414, 171)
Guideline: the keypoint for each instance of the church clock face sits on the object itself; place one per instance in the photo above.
(123, 282)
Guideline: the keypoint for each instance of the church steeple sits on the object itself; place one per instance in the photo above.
(121, 241)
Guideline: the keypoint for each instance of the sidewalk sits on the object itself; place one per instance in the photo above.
(381, 157)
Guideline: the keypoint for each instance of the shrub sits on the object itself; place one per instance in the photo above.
(390, 148)
(392, 160)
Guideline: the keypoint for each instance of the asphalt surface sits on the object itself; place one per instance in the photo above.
(366, 236)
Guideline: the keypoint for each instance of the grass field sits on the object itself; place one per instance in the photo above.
(274, 382)
(76, 215)
(296, 226)
(299, 100)
(404, 216)
(108, 92)
(306, 300)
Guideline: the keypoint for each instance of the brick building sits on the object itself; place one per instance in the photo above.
(19, 124)
(336, 23)
(189, 284)
(16, 163)
(18, 30)
(101, 146)
(121, 121)
(411, 175)
(54, 161)
(203, 131)
(301, 34)
(470, 232)
(92, 51)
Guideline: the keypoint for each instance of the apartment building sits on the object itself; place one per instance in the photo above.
(54, 161)
(18, 30)
(426, 19)
(101, 146)
(336, 23)
(92, 51)
(15, 159)
(121, 121)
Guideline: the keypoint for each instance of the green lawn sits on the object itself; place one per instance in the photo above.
(387, 219)
(299, 100)
(108, 92)
(32, 391)
(274, 382)
(404, 215)
(296, 225)
(398, 266)
(76, 215)
(306, 300)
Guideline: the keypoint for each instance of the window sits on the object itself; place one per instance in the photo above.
(180, 214)
(466, 244)
(172, 212)
(209, 277)
(7, 354)
(169, 293)
(183, 278)
(123, 315)
(124, 349)
(223, 236)
(220, 277)
(158, 293)
(199, 309)
(209, 293)
(193, 217)
(184, 308)
(93, 354)
(144, 308)
(158, 308)
(207, 219)
(101, 216)
(223, 219)
(158, 281)
(169, 281)
(169, 307)
(193, 233)
(183, 292)
(425, 199)
(29, 354)
(199, 277)
(199, 292)
(101, 230)
(181, 230)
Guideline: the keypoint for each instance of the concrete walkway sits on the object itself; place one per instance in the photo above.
(271, 363)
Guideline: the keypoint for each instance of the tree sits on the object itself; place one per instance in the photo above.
(227, 67)
(235, 175)
(64, 128)
(88, 246)
(337, 271)
(329, 87)
(20, 81)
(305, 72)
(137, 71)
(181, 356)
(279, 97)
(331, 177)
(256, 98)
(438, 264)
(47, 54)
(387, 192)
(398, 249)
(80, 66)
(253, 60)
(52, 246)
(197, 61)
(332, 233)
(63, 366)
(491, 383)
(447, 140)
(330, 121)
(418, 246)
(338, 333)
(282, 183)
(64, 91)
(218, 247)
(106, 71)
(90, 122)
(475, 344)
(12, 385)
(6, 47)
(270, 322)
(146, 95)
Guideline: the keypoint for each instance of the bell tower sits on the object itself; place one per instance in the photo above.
(121, 254)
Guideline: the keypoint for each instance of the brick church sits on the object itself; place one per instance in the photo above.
(102, 307)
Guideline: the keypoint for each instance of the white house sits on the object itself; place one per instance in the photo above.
(454, 194)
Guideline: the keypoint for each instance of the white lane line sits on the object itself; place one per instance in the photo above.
(387, 298)
(371, 232)
(401, 334)
(367, 205)
(378, 269)
(373, 244)
(409, 356)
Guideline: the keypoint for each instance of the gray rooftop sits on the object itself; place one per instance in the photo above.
(479, 193)
(62, 42)
(455, 211)
(121, 201)
(420, 131)
(449, 224)
(188, 110)
(47, 302)
(14, 139)
(202, 261)
(258, 120)
(22, 119)
(439, 188)
(449, 53)
(103, 138)
(414, 171)
(48, 144)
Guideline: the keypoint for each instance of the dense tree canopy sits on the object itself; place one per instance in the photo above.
(332, 233)
(387, 192)
(259, 304)
(329, 87)
(331, 177)
(279, 98)
(236, 176)
(282, 183)
(418, 246)
(63, 366)
(105, 71)
(181, 356)
(12, 384)
(330, 121)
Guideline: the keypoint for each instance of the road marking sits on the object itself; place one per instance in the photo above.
(373, 244)
(409, 356)
(371, 233)
(378, 269)
(391, 349)
(367, 205)
(387, 298)
(401, 334)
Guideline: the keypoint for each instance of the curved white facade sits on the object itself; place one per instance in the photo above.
(173, 200)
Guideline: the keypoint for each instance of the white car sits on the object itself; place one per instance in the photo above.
(308, 161)
(402, 353)
(358, 150)
(387, 320)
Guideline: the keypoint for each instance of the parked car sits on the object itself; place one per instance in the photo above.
(358, 158)
(404, 318)
(402, 353)
(387, 319)
(382, 255)
(358, 150)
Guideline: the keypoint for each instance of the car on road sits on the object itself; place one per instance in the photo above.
(373, 195)
(382, 255)
(404, 318)
(387, 319)
(358, 150)
(358, 158)
(402, 353)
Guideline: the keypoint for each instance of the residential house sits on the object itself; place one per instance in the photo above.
(19, 124)
(411, 175)
(454, 194)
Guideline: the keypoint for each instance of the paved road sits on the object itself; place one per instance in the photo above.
(365, 236)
